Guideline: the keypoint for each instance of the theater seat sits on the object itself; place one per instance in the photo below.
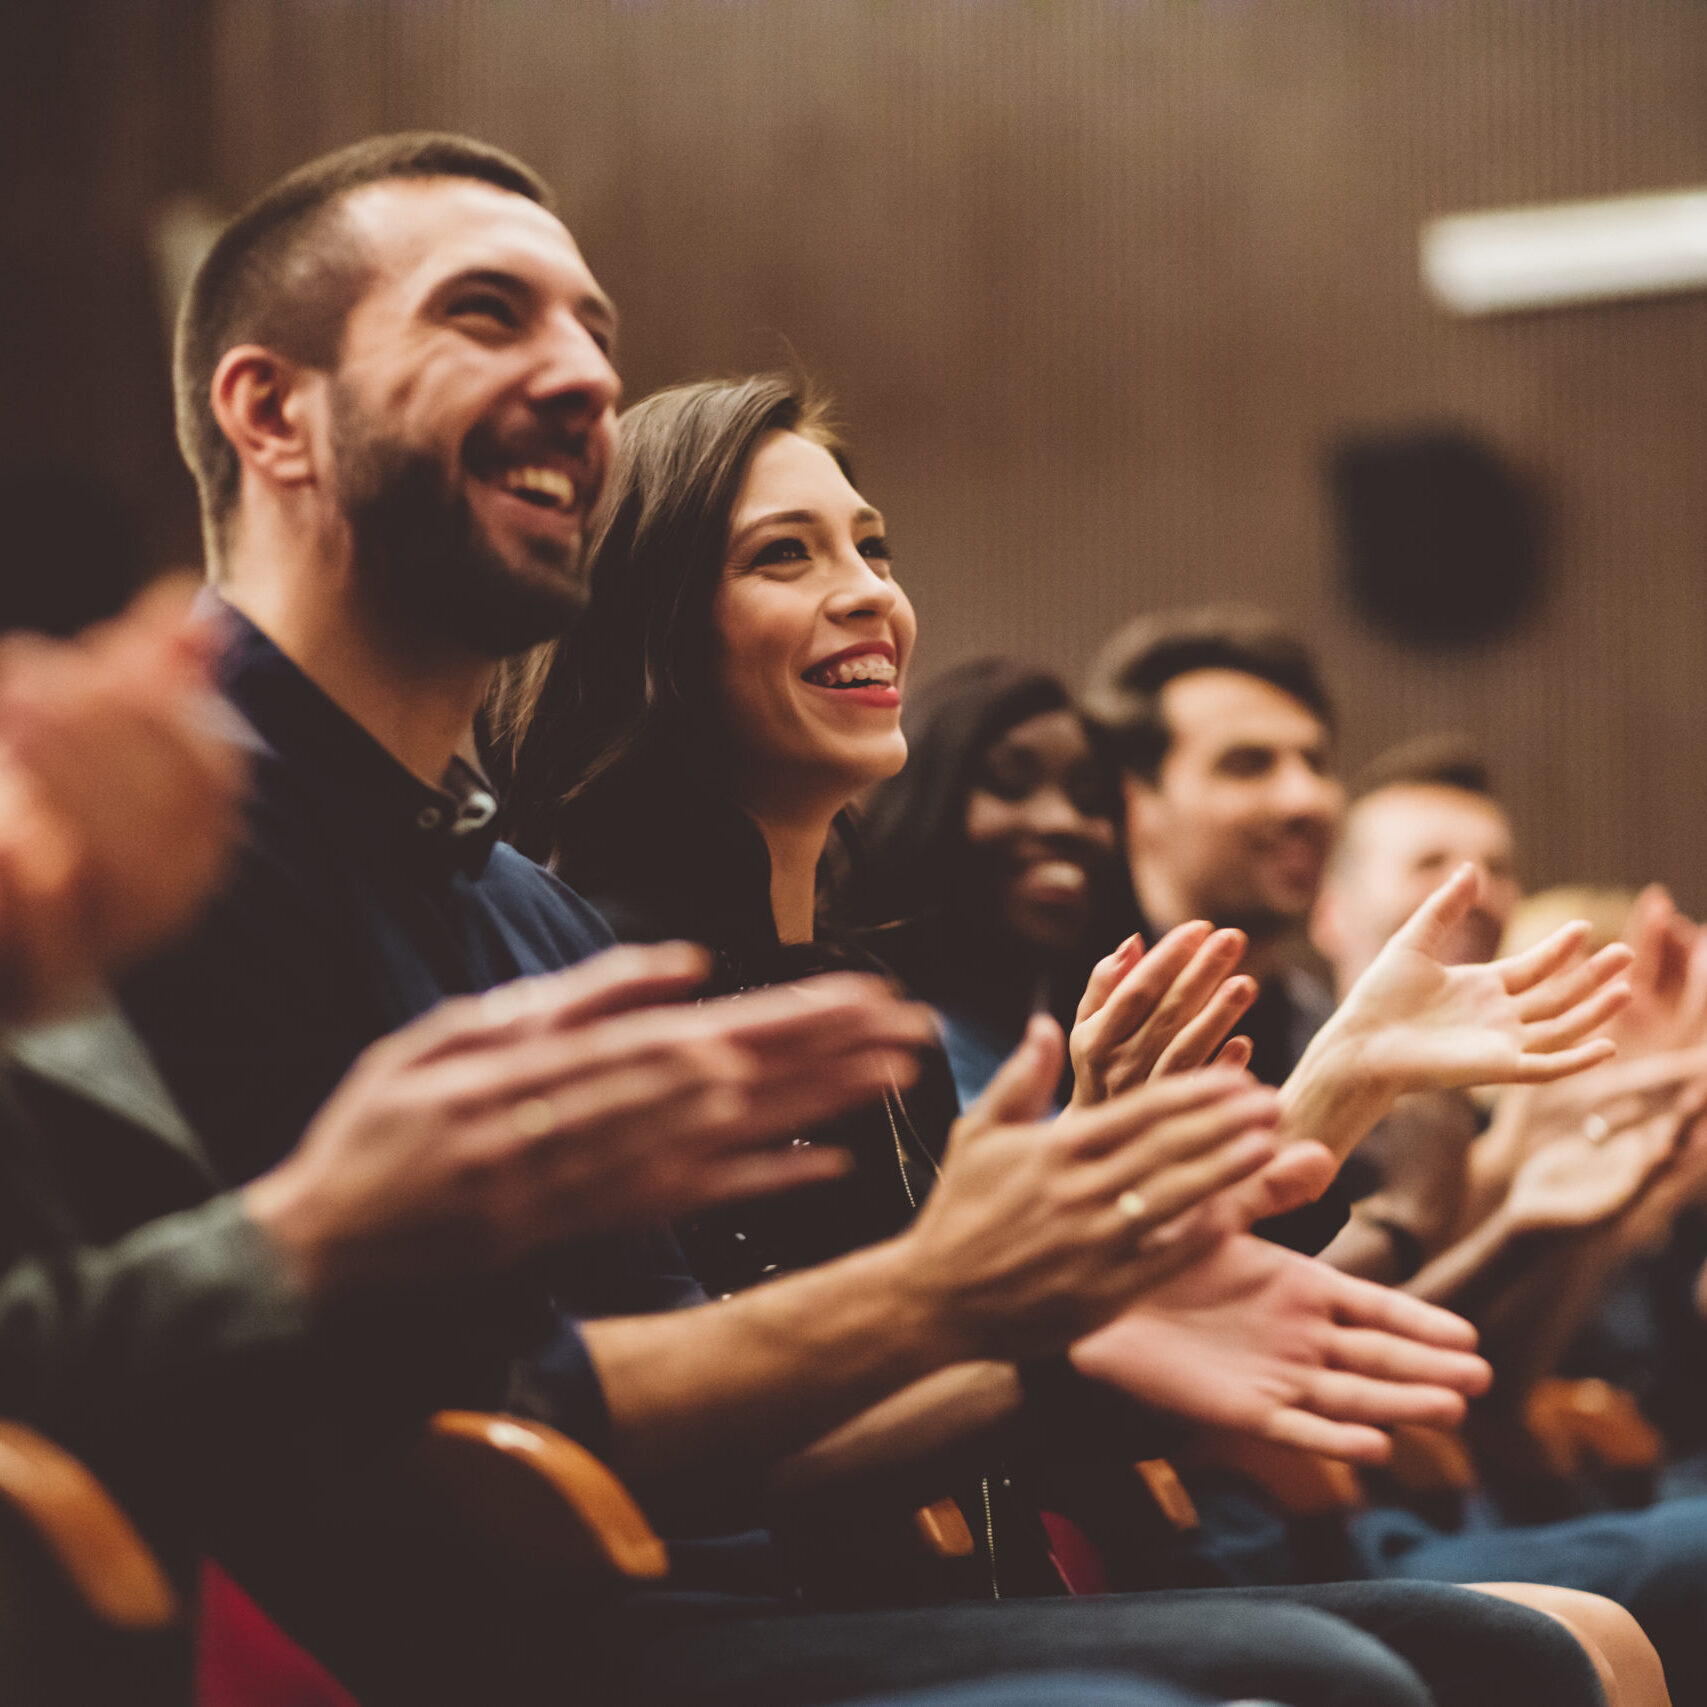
(87, 1615)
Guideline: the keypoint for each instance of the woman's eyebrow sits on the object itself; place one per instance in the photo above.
(799, 518)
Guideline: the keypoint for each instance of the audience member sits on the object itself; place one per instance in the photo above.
(1223, 732)
(988, 868)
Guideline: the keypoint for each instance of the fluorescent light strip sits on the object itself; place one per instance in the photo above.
(1546, 257)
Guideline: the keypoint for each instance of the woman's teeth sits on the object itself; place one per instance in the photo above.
(550, 488)
(873, 670)
(1059, 876)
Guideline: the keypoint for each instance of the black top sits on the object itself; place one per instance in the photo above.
(721, 898)
(359, 897)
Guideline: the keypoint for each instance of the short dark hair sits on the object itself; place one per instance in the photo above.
(1427, 761)
(1123, 696)
(606, 723)
(281, 275)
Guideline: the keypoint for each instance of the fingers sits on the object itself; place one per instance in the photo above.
(1426, 928)
(1543, 1069)
(762, 1175)
(1343, 1397)
(1236, 1052)
(1120, 1120)
(1107, 973)
(1556, 995)
(1170, 1192)
(1393, 1357)
(1023, 1089)
(1183, 1136)
(1520, 972)
(1362, 1304)
(1153, 1003)
(608, 983)
(842, 1007)
(1546, 1036)
(1351, 1441)
(1298, 1175)
(1197, 1041)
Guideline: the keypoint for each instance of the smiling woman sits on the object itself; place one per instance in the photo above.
(988, 864)
(684, 755)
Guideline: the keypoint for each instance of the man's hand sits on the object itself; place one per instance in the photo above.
(119, 788)
(1038, 1231)
(1668, 980)
(570, 1104)
(1257, 1338)
(1162, 1012)
(1414, 1023)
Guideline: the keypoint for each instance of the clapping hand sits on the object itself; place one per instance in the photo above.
(1414, 1023)
(1165, 1011)
(1259, 1339)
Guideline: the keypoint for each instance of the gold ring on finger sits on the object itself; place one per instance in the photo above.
(533, 1117)
(1131, 1204)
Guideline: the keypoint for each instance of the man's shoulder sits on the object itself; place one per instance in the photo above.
(529, 895)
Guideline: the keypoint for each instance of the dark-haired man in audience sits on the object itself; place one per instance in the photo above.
(1223, 732)
(395, 390)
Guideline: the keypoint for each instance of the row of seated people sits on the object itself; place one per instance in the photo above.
(719, 1213)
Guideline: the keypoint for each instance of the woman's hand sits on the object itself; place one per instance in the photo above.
(1257, 1338)
(1163, 1012)
(1040, 1230)
(1414, 1023)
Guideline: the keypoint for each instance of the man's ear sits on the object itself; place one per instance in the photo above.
(266, 405)
(1327, 923)
(1138, 801)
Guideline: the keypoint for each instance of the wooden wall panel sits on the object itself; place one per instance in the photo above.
(1098, 281)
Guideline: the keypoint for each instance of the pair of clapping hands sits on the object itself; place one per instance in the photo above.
(1623, 1145)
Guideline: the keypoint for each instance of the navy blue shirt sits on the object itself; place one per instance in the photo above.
(360, 896)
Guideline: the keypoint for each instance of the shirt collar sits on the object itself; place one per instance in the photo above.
(335, 758)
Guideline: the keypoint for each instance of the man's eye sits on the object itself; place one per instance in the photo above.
(484, 305)
(1246, 762)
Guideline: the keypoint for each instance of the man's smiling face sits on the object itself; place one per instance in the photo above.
(472, 412)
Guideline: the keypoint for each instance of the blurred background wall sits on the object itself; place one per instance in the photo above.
(1097, 285)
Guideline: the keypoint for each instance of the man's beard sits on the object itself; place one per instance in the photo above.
(423, 561)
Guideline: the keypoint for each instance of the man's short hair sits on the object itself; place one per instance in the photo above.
(283, 274)
(1123, 697)
(1427, 761)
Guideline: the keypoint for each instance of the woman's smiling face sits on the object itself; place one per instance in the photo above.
(1038, 825)
(812, 634)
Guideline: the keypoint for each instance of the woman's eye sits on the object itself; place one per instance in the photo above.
(876, 546)
(783, 550)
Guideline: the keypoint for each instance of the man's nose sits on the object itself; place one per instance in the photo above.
(1304, 792)
(574, 374)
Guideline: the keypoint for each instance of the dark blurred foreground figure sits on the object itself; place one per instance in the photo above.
(688, 749)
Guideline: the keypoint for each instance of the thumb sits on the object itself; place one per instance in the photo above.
(1023, 1089)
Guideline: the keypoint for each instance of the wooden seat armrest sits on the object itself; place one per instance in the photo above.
(83, 1530)
(533, 1496)
(1430, 1460)
(1303, 1484)
(1574, 1422)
